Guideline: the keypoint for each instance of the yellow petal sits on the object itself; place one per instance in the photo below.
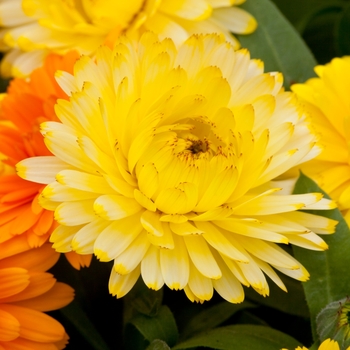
(217, 240)
(150, 269)
(119, 285)
(115, 207)
(75, 213)
(40, 169)
(175, 265)
(116, 237)
(166, 240)
(228, 286)
(202, 257)
(84, 239)
(131, 257)
(151, 223)
(179, 200)
(201, 286)
(83, 181)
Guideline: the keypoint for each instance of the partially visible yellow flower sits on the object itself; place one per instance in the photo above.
(32, 28)
(166, 162)
(328, 344)
(26, 292)
(327, 99)
(27, 103)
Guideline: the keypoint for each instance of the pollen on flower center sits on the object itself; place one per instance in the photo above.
(196, 142)
(198, 146)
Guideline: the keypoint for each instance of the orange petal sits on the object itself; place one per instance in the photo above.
(25, 344)
(13, 246)
(36, 259)
(25, 221)
(13, 280)
(36, 325)
(38, 284)
(36, 241)
(44, 223)
(57, 297)
(10, 326)
(77, 260)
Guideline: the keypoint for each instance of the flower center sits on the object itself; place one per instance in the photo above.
(198, 146)
(197, 141)
(344, 316)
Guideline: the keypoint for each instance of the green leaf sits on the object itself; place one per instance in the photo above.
(142, 300)
(141, 330)
(212, 317)
(315, 346)
(342, 32)
(300, 12)
(247, 317)
(319, 33)
(158, 345)
(4, 84)
(325, 13)
(277, 43)
(241, 337)
(292, 303)
(77, 317)
(329, 270)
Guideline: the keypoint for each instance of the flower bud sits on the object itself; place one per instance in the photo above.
(333, 322)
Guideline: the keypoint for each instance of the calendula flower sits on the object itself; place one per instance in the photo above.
(328, 344)
(164, 163)
(32, 28)
(26, 292)
(327, 100)
(27, 103)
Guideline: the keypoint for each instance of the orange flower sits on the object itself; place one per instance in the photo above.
(26, 292)
(29, 102)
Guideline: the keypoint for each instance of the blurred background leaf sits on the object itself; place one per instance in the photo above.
(293, 302)
(241, 337)
(212, 317)
(3, 82)
(323, 25)
(342, 32)
(94, 317)
(141, 300)
(75, 315)
(158, 345)
(141, 329)
(277, 43)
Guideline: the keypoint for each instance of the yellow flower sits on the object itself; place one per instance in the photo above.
(328, 344)
(326, 98)
(165, 160)
(32, 28)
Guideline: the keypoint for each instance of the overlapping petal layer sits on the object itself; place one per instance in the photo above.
(28, 102)
(326, 98)
(26, 292)
(167, 162)
(31, 28)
